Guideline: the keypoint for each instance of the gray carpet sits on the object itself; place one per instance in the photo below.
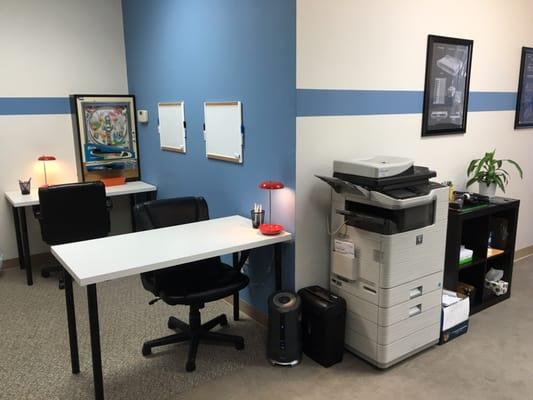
(494, 361)
(34, 352)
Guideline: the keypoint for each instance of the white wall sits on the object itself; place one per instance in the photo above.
(52, 48)
(358, 44)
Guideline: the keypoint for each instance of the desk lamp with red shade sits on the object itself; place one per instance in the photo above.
(270, 228)
(45, 159)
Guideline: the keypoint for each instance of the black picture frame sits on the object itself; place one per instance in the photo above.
(524, 96)
(78, 103)
(447, 85)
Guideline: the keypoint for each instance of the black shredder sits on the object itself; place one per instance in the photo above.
(323, 322)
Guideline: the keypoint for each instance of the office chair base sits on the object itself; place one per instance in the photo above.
(46, 272)
(194, 333)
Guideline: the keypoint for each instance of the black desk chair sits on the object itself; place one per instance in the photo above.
(71, 213)
(192, 284)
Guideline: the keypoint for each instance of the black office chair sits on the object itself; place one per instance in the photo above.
(71, 213)
(192, 284)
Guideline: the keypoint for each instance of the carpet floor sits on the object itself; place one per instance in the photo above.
(493, 361)
(34, 350)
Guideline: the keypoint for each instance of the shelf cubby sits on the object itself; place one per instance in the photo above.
(476, 228)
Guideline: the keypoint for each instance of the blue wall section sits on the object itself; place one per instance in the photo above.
(310, 102)
(34, 105)
(322, 102)
(215, 50)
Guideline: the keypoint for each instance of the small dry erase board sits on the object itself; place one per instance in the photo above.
(172, 128)
(223, 131)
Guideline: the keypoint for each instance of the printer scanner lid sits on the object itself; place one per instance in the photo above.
(375, 167)
(399, 179)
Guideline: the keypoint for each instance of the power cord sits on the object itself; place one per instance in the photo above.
(336, 231)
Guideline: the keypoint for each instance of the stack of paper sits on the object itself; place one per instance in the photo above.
(449, 298)
(465, 255)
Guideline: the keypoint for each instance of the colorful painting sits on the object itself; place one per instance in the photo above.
(107, 136)
(107, 124)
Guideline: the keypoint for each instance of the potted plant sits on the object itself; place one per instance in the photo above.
(488, 172)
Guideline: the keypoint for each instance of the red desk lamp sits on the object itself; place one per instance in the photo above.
(270, 228)
(44, 159)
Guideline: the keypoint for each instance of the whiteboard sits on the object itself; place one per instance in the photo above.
(223, 131)
(172, 126)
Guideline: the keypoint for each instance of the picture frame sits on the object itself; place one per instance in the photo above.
(447, 85)
(105, 132)
(524, 97)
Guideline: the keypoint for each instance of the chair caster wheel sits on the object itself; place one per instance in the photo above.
(190, 366)
(240, 345)
(61, 285)
(224, 322)
(146, 350)
(170, 325)
(45, 274)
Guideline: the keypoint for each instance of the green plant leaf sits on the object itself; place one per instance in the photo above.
(481, 163)
(500, 184)
(520, 172)
(471, 166)
(471, 181)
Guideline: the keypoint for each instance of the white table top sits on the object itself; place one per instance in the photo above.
(25, 200)
(114, 257)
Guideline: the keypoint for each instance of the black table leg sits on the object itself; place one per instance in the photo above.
(25, 245)
(132, 205)
(72, 330)
(95, 342)
(19, 237)
(238, 262)
(236, 308)
(277, 265)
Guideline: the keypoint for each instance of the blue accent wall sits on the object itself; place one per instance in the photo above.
(216, 50)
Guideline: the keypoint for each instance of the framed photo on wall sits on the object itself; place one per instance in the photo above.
(524, 98)
(447, 85)
(106, 135)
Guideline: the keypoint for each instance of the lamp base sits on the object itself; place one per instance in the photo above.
(270, 229)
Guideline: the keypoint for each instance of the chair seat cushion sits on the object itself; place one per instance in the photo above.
(196, 283)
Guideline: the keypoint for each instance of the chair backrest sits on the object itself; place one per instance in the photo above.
(73, 212)
(169, 212)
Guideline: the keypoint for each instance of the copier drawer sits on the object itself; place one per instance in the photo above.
(389, 334)
(385, 355)
(388, 316)
(411, 290)
(409, 309)
(392, 296)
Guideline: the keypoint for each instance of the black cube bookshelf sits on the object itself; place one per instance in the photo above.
(473, 227)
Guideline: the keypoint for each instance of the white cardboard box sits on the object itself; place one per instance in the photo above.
(455, 313)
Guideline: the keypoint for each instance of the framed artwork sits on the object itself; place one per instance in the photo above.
(106, 136)
(524, 98)
(447, 85)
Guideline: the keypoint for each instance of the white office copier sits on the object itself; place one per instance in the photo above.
(387, 255)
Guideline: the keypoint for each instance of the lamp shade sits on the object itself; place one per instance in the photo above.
(270, 185)
(46, 158)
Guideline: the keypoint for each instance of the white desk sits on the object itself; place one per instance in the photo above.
(19, 202)
(90, 262)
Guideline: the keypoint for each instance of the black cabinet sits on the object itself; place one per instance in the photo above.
(476, 228)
